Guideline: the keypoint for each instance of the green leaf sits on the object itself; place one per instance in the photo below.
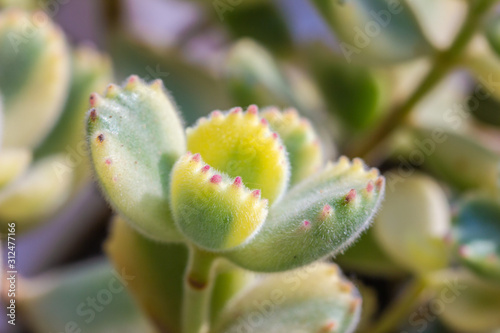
(354, 92)
(316, 298)
(158, 269)
(414, 222)
(34, 76)
(271, 30)
(477, 233)
(87, 297)
(254, 77)
(320, 216)
(135, 136)
(492, 30)
(466, 303)
(91, 71)
(13, 163)
(300, 139)
(228, 283)
(37, 194)
(212, 210)
(458, 160)
(377, 31)
(366, 256)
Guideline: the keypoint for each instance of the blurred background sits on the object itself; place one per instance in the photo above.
(413, 87)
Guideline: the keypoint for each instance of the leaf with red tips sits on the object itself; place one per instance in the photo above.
(350, 197)
(212, 210)
(320, 200)
(240, 145)
(295, 303)
(216, 179)
(237, 181)
(300, 139)
(139, 129)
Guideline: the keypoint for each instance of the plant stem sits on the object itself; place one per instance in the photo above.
(400, 308)
(443, 62)
(198, 285)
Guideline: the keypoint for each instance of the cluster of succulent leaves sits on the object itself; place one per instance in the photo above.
(44, 88)
(249, 191)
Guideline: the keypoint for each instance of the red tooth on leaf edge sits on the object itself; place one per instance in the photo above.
(216, 179)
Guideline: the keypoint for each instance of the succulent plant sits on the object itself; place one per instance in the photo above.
(222, 188)
(234, 221)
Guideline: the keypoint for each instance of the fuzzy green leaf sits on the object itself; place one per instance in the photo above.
(91, 71)
(477, 232)
(320, 216)
(313, 299)
(135, 136)
(212, 210)
(34, 76)
(300, 139)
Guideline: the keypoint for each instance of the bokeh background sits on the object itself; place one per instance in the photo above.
(363, 80)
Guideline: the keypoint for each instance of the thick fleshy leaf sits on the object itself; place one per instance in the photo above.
(242, 145)
(228, 283)
(39, 193)
(158, 288)
(212, 210)
(34, 76)
(135, 136)
(438, 28)
(13, 162)
(300, 139)
(319, 216)
(466, 303)
(356, 93)
(492, 30)
(240, 16)
(457, 159)
(375, 30)
(477, 232)
(316, 299)
(91, 72)
(366, 256)
(254, 76)
(158, 269)
(87, 297)
(413, 223)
